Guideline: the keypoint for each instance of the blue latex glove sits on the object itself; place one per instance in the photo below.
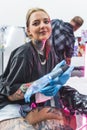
(27, 95)
(57, 83)
(51, 90)
(63, 62)
(62, 79)
(41, 83)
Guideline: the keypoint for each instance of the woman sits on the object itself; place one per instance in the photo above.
(28, 63)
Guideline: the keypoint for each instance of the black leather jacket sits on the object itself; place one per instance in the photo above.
(23, 67)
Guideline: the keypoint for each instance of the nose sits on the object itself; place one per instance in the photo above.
(42, 24)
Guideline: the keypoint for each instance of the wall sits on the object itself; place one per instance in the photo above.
(13, 13)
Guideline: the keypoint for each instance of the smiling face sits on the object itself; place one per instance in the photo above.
(39, 26)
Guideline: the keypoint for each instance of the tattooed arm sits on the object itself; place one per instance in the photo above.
(19, 94)
(50, 113)
(36, 115)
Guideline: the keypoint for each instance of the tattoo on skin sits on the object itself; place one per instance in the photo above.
(19, 94)
(56, 112)
(24, 87)
(50, 110)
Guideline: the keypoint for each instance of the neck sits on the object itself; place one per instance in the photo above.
(39, 45)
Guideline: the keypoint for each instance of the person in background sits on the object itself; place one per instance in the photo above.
(28, 63)
(63, 38)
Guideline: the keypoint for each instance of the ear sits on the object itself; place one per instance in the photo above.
(28, 32)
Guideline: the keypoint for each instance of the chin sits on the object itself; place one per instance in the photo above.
(44, 38)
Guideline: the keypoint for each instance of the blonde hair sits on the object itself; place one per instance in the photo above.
(78, 21)
(29, 13)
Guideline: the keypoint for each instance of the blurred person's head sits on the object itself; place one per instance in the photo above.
(76, 22)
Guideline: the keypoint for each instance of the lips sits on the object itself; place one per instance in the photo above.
(43, 33)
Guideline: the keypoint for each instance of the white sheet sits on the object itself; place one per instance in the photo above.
(9, 112)
(78, 83)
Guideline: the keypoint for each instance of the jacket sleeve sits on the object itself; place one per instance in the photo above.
(69, 47)
(15, 74)
(69, 40)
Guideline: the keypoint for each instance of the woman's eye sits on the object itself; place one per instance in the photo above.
(47, 21)
(36, 23)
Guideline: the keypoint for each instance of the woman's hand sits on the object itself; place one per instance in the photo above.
(18, 95)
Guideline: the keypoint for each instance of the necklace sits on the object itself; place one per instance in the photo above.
(41, 59)
(41, 56)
